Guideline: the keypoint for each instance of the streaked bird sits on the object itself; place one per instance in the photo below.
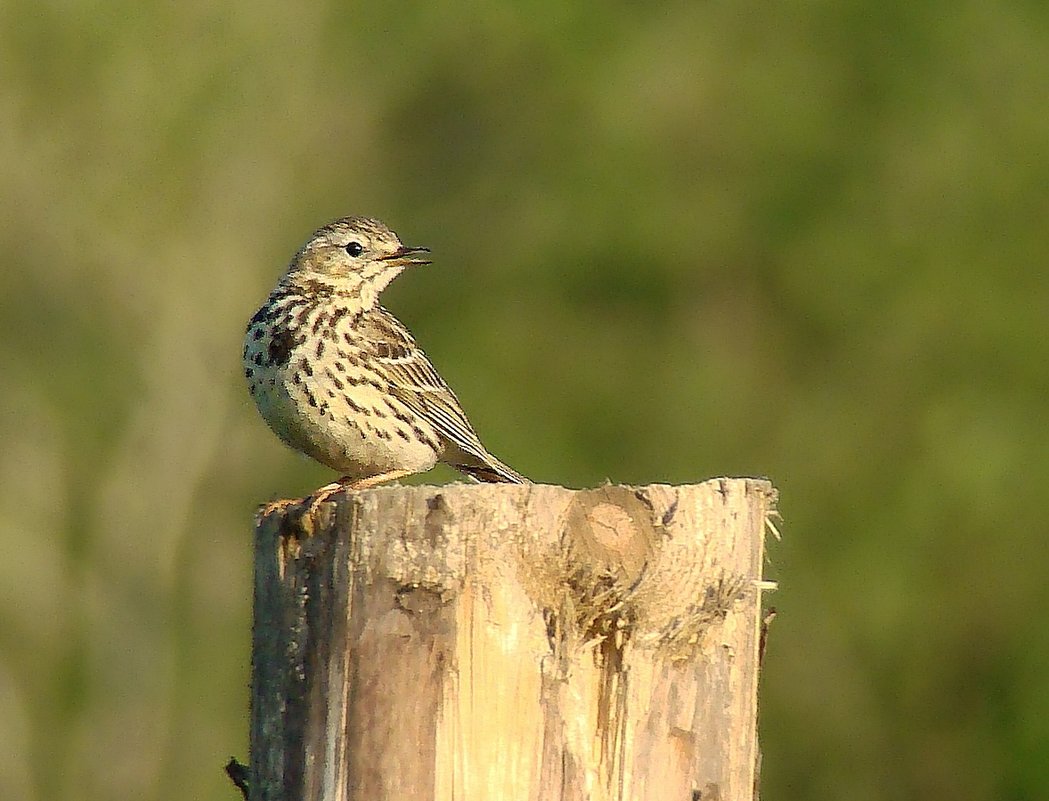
(339, 378)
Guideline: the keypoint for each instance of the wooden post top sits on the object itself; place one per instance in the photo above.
(510, 642)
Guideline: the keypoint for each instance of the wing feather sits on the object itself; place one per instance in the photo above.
(415, 382)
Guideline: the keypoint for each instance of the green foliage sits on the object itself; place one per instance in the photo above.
(671, 241)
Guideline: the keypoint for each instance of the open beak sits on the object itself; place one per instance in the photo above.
(403, 256)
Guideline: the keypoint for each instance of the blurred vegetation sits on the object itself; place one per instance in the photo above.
(672, 241)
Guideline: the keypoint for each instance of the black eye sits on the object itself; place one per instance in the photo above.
(354, 248)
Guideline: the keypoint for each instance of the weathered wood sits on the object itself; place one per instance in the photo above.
(505, 642)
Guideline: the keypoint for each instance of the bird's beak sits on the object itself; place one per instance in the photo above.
(402, 257)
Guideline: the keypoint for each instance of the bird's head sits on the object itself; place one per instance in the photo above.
(354, 255)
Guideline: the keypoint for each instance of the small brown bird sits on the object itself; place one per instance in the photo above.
(339, 378)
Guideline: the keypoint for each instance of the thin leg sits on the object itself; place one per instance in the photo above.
(374, 481)
(346, 483)
(325, 492)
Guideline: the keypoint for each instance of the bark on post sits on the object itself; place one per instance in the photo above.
(505, 642)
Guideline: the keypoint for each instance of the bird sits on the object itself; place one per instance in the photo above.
(337, 377)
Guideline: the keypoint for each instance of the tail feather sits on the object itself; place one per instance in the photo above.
(492, 472)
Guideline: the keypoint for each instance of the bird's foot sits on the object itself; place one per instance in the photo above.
(314, 499)
(351, 484)
(278, 506)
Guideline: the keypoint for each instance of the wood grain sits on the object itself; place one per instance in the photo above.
(510, 642)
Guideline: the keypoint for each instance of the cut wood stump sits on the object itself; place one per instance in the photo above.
(510, 643)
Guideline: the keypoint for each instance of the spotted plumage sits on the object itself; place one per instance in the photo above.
(339, 378)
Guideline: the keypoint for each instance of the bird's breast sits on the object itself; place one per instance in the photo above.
(321, 391)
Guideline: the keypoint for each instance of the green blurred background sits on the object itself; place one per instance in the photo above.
(671, 241)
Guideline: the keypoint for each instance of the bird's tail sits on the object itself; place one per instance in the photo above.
(492, 471)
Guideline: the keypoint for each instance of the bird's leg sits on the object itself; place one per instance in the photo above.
(348, 483)
(325, 492)
(374, 481)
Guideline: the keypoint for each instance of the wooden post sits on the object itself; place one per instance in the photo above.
(510, 643)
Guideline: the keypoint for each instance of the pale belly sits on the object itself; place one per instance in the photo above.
(354, 429)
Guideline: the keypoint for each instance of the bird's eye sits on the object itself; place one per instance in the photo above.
(354, 248)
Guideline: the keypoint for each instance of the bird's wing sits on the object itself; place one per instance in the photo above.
(415, 382)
